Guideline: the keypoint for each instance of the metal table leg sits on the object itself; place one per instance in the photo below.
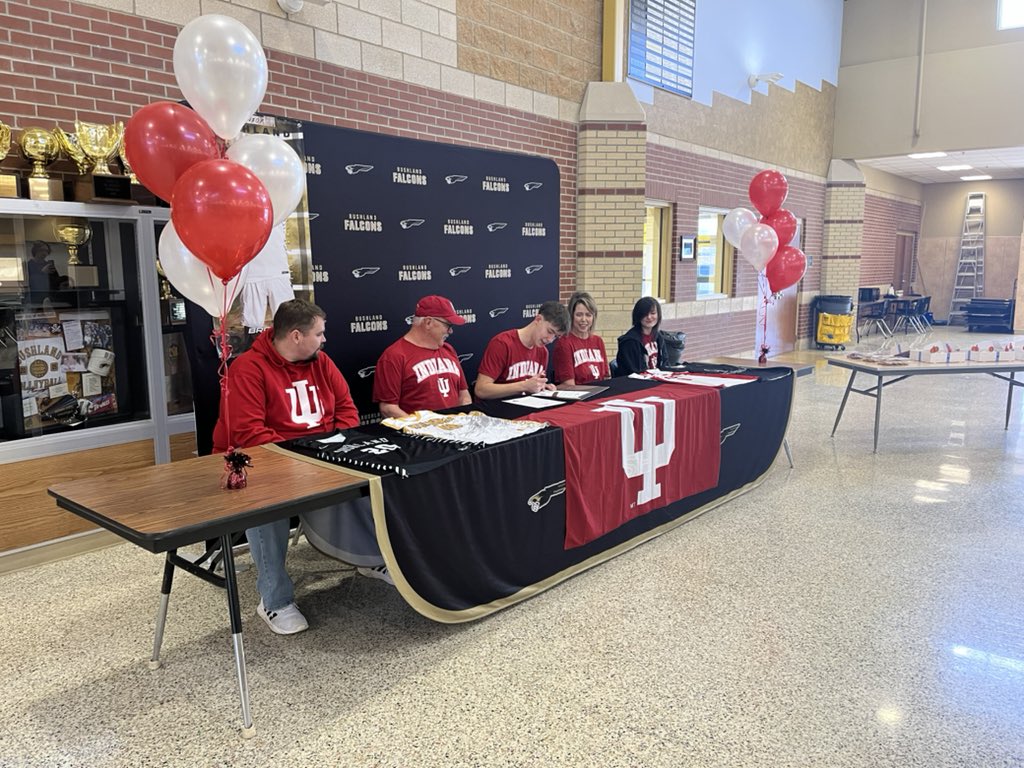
(1009, 399)
(878, 411)
(234, 609)
(789, 453)
(842, 406)
(161, 612)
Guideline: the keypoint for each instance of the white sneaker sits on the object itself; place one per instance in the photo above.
(284, 621)
(377, 572)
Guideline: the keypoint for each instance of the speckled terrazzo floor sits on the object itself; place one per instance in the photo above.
(858, 610)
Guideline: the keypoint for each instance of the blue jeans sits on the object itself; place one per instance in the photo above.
(268, 545)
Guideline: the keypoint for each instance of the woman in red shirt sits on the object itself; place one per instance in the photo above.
(580, 355)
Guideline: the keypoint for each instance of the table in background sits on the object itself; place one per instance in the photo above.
(896, 373)
(167, 506)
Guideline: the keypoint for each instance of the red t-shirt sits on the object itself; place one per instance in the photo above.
(415, 378)
(582, 360)
(507, 359)
(651, 348)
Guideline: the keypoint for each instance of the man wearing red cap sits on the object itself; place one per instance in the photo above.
(421, 371)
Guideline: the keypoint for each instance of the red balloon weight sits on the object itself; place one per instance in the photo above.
(786, 268)
(768, 191)
(784, 223)
(222, 213)
(163, 140)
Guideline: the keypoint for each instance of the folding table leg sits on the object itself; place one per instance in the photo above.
(234, 609)
(789, 453)
(161, 612)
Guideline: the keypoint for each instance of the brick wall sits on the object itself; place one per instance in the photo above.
(883, 218)
(61, 61)
(689, 180)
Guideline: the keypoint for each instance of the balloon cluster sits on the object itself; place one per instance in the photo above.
(223, 205)
(764, 242)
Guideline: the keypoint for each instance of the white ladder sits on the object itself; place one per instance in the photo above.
(969, 282)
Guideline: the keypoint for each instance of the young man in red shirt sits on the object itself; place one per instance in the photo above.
(515, 361)
(283, 387)
(421, 371)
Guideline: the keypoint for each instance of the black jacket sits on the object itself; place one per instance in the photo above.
(632, 357)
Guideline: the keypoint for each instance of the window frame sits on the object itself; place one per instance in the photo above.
(660, 43)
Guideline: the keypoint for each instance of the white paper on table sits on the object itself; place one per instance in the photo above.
(570, 394)
(534, 401)
(92, 384)
(339, 438)
(73, 336)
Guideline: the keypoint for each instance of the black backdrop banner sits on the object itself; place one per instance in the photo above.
(394, 219)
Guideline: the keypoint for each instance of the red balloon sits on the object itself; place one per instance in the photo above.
(222, 213)
(786, 268)
(784, 223)
(163, 140)
(768, 191)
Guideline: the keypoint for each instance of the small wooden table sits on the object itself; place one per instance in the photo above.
(886, 375)
(167, 506)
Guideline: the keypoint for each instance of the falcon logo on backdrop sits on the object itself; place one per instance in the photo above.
(496, 226)
(363, 222)
(534, 229)
(468, 314)
(498, 311)
(531, 310)
(367, 372)
(368, 324)
(465, 356)
(532, 185)
(364, 271)
(409, 319)
(305, 404)
(534, 268)
(458, 227)
(542, 498)
(728, 432)
(355, 168)
(456, 271)
(410, 223)
(455, 178)
(652, 455)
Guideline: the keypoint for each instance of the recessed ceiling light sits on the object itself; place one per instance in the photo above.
(925, 155)
(955, 167)
(975, 178)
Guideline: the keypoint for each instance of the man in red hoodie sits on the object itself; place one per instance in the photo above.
(283, 387)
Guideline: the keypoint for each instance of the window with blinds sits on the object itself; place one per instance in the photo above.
(661, 43)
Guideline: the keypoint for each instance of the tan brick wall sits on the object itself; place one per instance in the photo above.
(546, 46)
(613, 281)
(844, 239)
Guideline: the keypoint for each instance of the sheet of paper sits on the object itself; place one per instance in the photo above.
(339, 438)
(57, 390)
(73, 336)
(570, 394)
(533, 401)
(92, 384)
(29, 407)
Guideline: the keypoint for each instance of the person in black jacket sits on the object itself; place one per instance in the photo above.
(642, 347)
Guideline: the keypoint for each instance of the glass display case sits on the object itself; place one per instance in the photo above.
(81, 339)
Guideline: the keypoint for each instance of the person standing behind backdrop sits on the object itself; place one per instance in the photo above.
(642, 347)
(579, 356)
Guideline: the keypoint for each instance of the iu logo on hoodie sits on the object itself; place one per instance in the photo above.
(305, 403)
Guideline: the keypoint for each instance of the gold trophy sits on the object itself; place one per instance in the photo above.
(68, 144)
(8, 181)
(40, 146)
(75, 233)
(123, 154)
(99, 143)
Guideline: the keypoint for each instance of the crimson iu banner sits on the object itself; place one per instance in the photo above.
(628, 455)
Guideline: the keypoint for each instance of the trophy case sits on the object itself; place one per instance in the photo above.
(72, 349)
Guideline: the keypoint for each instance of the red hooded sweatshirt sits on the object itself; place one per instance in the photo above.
(270, 399)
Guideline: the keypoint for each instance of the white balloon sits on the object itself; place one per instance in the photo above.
(191, 277)
(222, 71)
(759, 244)
(737, 221)
(277, 165)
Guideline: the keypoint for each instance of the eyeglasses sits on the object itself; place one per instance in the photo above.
(447, 325)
